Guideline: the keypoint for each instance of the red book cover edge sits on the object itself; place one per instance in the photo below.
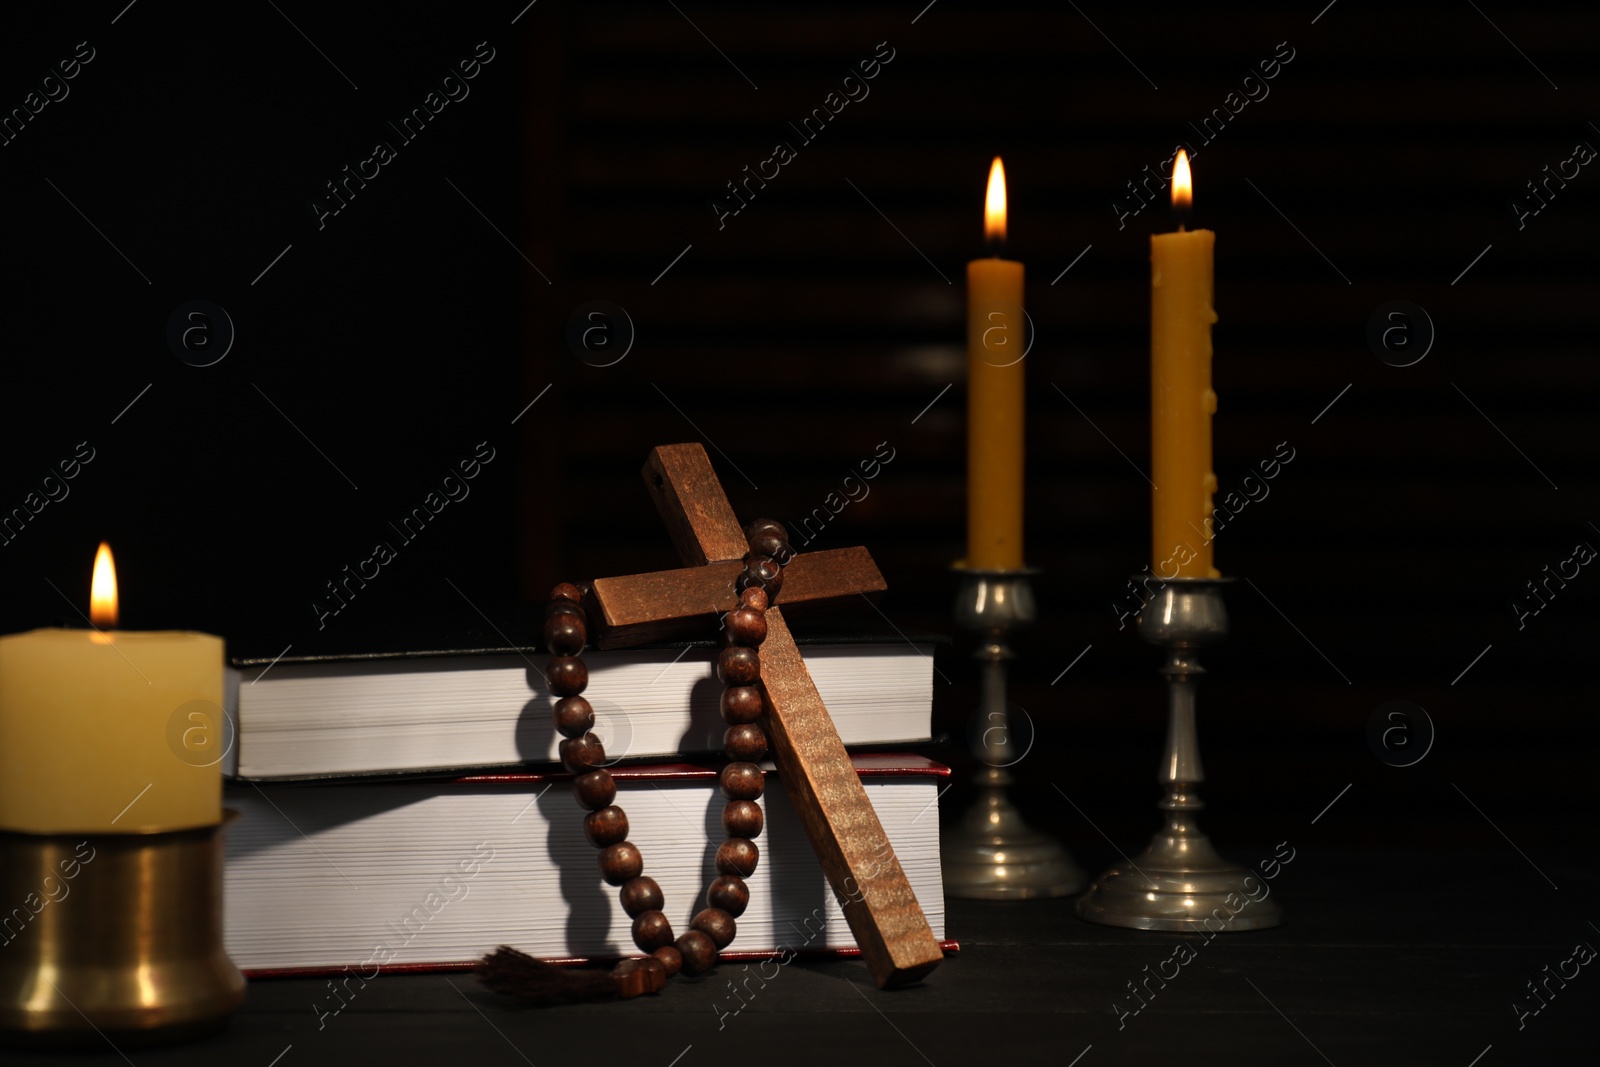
(867, 765)
(727, 956)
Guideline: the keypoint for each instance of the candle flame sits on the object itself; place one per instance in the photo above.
(1182, 183)
(103, 590)
(994, 204)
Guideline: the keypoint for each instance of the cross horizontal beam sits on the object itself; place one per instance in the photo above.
(637, 608)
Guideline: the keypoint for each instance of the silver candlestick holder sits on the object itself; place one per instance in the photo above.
(1180, 882)
(993, 854)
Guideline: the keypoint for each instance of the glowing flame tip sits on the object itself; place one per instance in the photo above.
(103, 590)
(1182, 183)
(994, 204)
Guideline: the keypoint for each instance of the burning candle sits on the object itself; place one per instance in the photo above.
(995, 347)
(110, 731)
(1181, 398)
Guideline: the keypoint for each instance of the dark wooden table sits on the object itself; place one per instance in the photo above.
(1404, 957)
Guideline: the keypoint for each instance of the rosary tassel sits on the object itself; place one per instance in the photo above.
(520, 975)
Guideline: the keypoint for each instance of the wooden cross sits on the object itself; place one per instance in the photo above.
(844, 830)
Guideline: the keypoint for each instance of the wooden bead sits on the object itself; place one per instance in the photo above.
(746, 627)
(652, 930)
(567, 676)
(740, 818)
(594, 790)
(630, 980)
(716, 924)
(737, 855)
(565, 635)
(671, 959)
(742, 781)
(745, 742)
(574, 716)
(699, 952)
(609, 825)
(658, 972)
(580, 755)
(566, 591)
(640, 895)
(755, 599)
(740, 704)
(730, 894)
(764, 527)
(769, 544)
(738, 666)
(564, 607)
(621, 863)
(638, 977)
(763, 572)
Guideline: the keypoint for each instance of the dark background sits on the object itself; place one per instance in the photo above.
(820, 321)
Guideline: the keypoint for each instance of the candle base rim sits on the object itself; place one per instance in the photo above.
(225, 818)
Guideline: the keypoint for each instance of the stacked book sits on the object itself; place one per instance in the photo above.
(408, 811)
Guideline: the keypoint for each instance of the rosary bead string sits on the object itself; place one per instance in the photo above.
(742, 782)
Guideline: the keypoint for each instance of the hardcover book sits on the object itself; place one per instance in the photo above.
(358, 877)
(386, 713)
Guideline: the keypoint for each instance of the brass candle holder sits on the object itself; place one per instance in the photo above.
(113, 938)
(1180, 882)
(992, 854)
